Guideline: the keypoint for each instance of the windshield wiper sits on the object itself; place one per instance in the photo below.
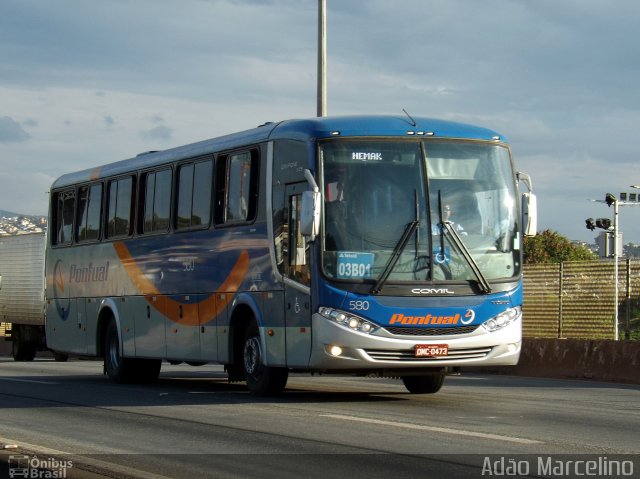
(483, 284)
(395, 256)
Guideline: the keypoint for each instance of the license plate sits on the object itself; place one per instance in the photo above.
(431, 350)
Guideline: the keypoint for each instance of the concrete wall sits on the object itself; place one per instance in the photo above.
(598, 360)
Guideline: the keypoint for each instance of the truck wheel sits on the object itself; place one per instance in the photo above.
(126, 370)
(21, 349)
(427, 384)
(261, 380)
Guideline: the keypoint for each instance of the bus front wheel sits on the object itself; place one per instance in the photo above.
(261, 380)
(427, 384)
(126, 370)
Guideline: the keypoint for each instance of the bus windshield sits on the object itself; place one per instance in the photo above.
(376, 191)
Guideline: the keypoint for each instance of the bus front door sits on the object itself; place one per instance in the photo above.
(297, 282)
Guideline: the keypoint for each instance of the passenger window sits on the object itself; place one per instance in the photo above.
(119, 207)
(157, 201)
(63, 222)
(237, 187)
(194, 195)
(89, 209)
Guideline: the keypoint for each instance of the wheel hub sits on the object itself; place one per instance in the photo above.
(252, 355)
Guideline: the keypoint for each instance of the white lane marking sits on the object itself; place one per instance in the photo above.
(446, 430)
(33, 381)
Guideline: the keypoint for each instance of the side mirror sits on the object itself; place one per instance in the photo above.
(310, 214)
(529, 214)
(529, 204)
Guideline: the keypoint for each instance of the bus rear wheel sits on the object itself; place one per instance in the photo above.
(426, 384)
(261, 380)
(126, 370)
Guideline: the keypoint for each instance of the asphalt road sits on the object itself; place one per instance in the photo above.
(192, 423)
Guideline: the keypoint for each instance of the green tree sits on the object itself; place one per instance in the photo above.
(551, 247)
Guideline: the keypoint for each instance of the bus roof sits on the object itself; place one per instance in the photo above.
(300, 129)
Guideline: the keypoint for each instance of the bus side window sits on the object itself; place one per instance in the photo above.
(193, 209)
(157, 201)
(65, 202)
(119, 207)
(237, 187)
(89, 212)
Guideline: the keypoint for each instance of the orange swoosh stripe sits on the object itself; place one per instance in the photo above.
(189, 314)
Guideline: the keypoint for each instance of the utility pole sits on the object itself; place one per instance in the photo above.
(322, 58)
(615, 262)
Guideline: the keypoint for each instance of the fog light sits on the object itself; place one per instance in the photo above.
(335, 350)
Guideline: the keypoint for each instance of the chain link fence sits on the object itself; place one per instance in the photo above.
(577, 299)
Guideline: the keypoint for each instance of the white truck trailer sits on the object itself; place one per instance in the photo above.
(22, 293)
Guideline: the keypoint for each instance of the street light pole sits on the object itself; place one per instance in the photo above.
(615, 263)
(604, 223)
(610, 200)
(322, 58)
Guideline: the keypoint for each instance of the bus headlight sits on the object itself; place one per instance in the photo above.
(503, 319)
(348, 320)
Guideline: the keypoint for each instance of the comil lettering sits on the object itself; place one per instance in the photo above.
(366, 156)
(428, 319)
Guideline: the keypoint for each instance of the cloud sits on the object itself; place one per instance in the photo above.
(157, 133)
(11, 131)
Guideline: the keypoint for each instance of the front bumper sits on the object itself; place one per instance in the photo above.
(383, 351)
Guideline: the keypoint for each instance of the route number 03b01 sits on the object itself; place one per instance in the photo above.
(358, 305)
(354, 270)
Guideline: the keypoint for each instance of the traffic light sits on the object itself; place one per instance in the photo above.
(609, 199)
(604, 223)
(591, 225)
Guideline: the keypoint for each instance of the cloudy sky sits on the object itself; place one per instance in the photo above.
(84, 83)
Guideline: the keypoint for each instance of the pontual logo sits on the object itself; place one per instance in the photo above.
(88, 274)
(428, 319)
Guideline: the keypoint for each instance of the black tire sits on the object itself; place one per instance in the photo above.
(427, 384)
(22, 350)
(261, 380)
(60, 357)
(126, 370)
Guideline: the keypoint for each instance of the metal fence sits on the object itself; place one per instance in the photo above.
(577, 299)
